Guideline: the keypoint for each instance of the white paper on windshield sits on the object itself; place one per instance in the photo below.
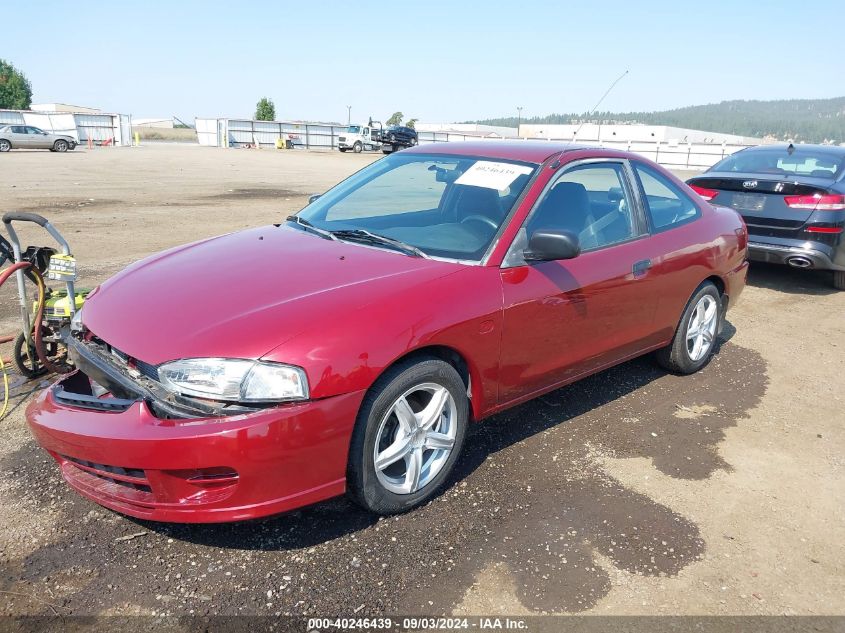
(498, 176)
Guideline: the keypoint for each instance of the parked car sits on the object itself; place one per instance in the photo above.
(350, 346)
(29, 137)
(398, 137)
(792, 198)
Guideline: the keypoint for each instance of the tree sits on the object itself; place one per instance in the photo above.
(395, 119)
(411, 123)
(265, 110)
(15, 89)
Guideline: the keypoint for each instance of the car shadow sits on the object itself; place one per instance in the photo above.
(338, 517)
(790, 280)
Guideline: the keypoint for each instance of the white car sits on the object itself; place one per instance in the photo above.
(29, 137)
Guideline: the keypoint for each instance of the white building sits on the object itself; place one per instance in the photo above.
(161, 122)
(635, 133)
(468, 129)
(63, 107)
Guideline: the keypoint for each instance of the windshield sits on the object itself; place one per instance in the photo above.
(353, 129)
(802, 162)
(445, 206)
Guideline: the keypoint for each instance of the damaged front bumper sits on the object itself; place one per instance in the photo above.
(142, 451)
(127, 384)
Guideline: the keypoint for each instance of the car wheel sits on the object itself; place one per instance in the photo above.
(5, 145)
(839, 279)
(413, 142)
(695, 336)
(357, 148)
(408, 436)
(60, 146)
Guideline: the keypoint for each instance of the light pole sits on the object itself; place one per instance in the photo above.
(348, 115)
(518, 119)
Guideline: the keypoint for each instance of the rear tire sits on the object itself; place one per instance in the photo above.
(5, 145)
(414, 420)
(695, 337)
(60, 146)
(839, 279)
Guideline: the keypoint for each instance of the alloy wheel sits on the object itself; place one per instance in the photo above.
(701, 330)
(5, 146)
(415, 438)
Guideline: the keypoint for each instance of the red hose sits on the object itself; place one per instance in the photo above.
(39, 344)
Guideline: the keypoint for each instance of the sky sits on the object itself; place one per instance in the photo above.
(434, 60)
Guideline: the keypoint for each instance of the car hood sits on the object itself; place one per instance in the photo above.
(243, 294)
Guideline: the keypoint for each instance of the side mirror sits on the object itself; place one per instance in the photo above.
(314, 197)
(548, 245)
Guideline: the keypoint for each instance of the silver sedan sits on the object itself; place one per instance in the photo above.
(29, 137)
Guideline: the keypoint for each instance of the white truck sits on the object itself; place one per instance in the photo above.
(361, 137)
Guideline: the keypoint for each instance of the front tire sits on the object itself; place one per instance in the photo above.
(839, 279)
(408, 436)
(60, 146)
(357, 148)
(695, 337)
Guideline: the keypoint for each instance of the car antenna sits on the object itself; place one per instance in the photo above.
(556, 164)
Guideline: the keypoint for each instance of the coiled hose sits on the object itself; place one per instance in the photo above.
(39, 315)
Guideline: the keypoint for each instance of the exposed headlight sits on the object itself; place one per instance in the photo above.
(234, 380)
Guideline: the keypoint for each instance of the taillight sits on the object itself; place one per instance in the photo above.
(704, 192)
(824, 229)
(817, 202)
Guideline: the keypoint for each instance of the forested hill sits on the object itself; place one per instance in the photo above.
(810, 120)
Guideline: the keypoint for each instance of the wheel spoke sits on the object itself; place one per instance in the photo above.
(693, 332)
(412, 474)
(695, 353)
(406, 416)
(393, 453)
(434, 409)
(710, 312)
(435, 440)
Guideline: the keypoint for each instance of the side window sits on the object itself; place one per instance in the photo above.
(590, 201)
(666, 203)
(18, 129)
(33, 130)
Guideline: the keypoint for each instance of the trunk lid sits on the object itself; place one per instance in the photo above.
(761, 199)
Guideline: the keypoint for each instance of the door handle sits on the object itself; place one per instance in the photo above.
(641, 267)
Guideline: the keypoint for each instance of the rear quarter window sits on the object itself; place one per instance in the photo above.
(666, 204)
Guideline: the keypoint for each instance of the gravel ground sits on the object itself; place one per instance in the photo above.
(632, 491)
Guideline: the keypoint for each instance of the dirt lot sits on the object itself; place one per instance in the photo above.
(631, 492)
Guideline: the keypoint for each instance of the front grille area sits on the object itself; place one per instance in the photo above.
(132, 478)
(146, 369)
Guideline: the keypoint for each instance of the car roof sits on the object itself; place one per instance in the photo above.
(836, 150)
(531, 151)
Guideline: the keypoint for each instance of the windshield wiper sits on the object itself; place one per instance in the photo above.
(310, 227)
(360, 235)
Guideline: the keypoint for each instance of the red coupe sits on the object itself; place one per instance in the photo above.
(347, 348)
